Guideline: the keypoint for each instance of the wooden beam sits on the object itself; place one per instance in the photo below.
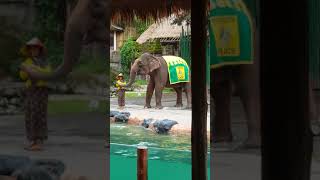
(286, 135)
(199, 91)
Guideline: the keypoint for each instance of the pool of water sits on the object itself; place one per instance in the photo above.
(169, 156)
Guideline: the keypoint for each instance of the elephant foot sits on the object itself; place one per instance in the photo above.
(159, 107)
(178, 105)
(147, 106)
(189, 106)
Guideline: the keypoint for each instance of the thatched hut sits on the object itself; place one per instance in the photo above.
(167, 33)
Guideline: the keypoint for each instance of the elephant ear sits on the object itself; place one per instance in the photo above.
(154, 64)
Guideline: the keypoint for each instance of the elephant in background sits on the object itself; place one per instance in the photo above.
(157, 69)
(246, 80)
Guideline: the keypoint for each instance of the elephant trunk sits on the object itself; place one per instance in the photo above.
(74, 34)
(133, 74)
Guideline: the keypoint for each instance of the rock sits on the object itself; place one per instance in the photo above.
(26, 169)
(11, 109)
(32, 173)
(9, 92)
(54, 167)
(126, 114)
(146, 123)
(3, 111)
(163, 126)
(114, 113)
(8, 164)
(14, 101)
(121, 118)
(4, 102)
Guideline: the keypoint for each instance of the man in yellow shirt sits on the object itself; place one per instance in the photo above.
(121, 91)
(36, 95)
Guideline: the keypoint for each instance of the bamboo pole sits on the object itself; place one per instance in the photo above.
(142, 163)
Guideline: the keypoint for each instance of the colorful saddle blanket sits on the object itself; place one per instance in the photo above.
(178, 69)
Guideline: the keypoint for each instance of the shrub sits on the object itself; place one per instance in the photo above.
(153, 47)
(129, 52)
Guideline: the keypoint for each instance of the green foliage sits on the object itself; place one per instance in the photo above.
(50, 19)
(186, 16)
(129, 52)
(90, 64)
(113, 75)
(141, 25)
(49, 26)
(153, 47)
(10, 43)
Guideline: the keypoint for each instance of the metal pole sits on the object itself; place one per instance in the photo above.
(142, 163)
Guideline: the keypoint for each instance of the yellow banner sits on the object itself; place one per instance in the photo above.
(226, 33)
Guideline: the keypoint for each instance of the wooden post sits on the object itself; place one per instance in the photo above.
(199, 89)
(286, 135)
(142, 163)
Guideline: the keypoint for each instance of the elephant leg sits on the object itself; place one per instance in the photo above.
(149, 93)
(188, 94)
(179, 96)
(158, 90)
(247, 82)
(221, 93)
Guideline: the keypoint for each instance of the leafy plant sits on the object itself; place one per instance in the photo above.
(129, 52)
(141, 25)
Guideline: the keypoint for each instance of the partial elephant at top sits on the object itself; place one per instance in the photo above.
(164, 71)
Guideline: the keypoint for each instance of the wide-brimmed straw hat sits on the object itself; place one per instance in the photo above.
(120, 75)
(35, 42)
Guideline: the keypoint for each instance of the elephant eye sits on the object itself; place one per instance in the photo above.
(140, 64)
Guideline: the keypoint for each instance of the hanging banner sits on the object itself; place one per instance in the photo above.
(231, 33)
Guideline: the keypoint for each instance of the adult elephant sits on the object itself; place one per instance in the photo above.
(246, 82)
(157, 68)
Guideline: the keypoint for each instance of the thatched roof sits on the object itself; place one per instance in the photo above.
(126, 10)
(116, 28)
(164, 30)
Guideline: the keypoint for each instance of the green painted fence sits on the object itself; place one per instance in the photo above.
(185, 52)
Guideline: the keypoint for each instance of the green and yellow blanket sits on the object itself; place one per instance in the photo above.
(178, 69)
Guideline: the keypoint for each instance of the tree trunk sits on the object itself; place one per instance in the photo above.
(199, 99)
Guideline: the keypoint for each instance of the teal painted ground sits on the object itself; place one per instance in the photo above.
(169, 155)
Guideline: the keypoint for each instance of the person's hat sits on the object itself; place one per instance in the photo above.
(120, 75)
(35, 42)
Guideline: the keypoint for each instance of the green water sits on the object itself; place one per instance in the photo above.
(169, 155)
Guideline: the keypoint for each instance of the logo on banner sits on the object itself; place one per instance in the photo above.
(226, 34)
